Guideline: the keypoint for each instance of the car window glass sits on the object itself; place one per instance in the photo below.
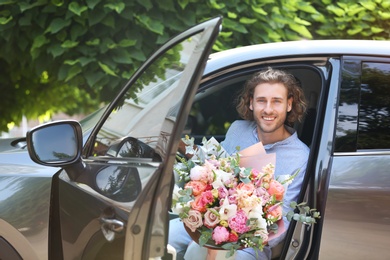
(374, 109)
(348, 108)
(142, 121)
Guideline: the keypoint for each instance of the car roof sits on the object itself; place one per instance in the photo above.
(296, 48)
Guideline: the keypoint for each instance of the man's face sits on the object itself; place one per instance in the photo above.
(270, 106)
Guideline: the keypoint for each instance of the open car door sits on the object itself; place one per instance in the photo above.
(111, 198)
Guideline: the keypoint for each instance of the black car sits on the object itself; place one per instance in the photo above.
(101, 188)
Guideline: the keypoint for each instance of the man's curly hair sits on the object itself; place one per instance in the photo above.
(271, 75)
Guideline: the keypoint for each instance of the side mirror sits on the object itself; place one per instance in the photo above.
(56, 143)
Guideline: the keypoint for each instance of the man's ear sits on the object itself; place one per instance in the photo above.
(250, 105)
(289, 104)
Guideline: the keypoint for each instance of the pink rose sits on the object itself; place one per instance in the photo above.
(194, 220)
(246, 188)
(207, 198)
(198, 204)
(210, 219)
(197, 187)
(220, 235)
(238, 222)
(277, 189)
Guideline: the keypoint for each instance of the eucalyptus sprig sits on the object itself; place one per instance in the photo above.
(306, 215)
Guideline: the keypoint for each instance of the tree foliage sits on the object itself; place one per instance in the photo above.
(71, 56)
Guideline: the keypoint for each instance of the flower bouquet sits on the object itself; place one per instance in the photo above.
(226, 201)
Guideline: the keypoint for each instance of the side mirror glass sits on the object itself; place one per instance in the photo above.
(55, 144)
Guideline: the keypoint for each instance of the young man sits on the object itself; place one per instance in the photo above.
(270, 103)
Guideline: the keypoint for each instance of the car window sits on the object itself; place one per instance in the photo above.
(363, 117)
(142, 120)
(374, 109)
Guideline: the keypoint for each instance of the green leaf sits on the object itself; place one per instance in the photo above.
(183, 3)
(39, 41)
(73, 71)
(7, 2)
(106, 69)
(55, 50)
(336, 10)
(384, 15)
(232, 15)
(301, 21)
(117, 7)
(355, 9)
(146, 3)
(122, 56)
(152, 25)
(376, 29)
(306, 7)
(354, 31)
(245, 20)
(5, 20)
(93, 42)
(127, 43)
(96, 16)
(26, 6)
(204, 237)
(92, 3)
(71, 62)
(77, 31)
(57, 2)
(57, 24)
(86, 60)
(216, 5)
(233, 25)
(75, 8)
(302, 30)
(259, 10)
(93, 77)
(370, 5)
(69, 44)
(109, 21)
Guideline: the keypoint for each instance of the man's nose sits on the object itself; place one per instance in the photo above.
(268, 107)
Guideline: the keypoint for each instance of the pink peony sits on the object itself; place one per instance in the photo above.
(194, 220)
(238, 222)
(220, 235)
(210, 219)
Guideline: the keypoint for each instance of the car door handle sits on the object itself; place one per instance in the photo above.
(111, 226)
